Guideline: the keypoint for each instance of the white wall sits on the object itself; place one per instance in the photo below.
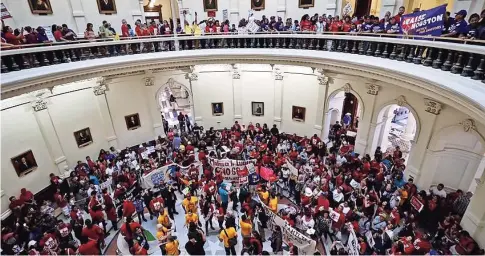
(257, 86)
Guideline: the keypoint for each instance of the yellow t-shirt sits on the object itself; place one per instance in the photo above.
(264, 196)
(163, 219)
(162, 233)
(190, 205)
(231, 232)
(194, 218)
(172, 248)
(196, 30)
(246, 228)
(273, 204)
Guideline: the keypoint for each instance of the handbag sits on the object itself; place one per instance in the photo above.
(232, 241)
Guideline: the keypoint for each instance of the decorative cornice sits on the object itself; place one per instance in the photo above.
(468, 125)
(347, 88)
(149, 81)
(432, 106)
(124, 74)
(39, 105)
(322, 80)
(192, 76)
(99, 90)
(278, 74)
(401, 101)
(372, 89)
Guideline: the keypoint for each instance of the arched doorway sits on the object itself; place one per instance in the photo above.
(343, 106)
(173, 98)
(395, 126)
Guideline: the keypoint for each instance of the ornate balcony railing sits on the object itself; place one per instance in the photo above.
(458, 56)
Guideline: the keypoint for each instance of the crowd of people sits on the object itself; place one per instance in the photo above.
(318, 23)
(330, 194)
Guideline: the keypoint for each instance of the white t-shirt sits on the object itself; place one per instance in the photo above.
(341, 160)
(437, 192)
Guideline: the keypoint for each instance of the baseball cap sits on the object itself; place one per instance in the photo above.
(462, 13)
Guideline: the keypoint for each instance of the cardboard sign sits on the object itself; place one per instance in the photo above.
(353, 243)
(370, 239)
(230, 168)
(334, 215)
(354, 184)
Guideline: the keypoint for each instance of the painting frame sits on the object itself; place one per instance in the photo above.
(258, 6)
(35, 8)
(296, 115)
(255, 110)
(306, 3)
(210, 5)
(86, 140)
(132, 121)
(103, 4)
(30, 163)
(217, 111)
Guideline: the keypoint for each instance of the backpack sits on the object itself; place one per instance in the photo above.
(232, 241)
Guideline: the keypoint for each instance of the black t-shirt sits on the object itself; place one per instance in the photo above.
(275, 131)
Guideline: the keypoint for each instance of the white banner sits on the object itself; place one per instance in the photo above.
(353, 243)
(163, 173)
(370, 239)
(230, 167)
(305, 244)
(292, 168)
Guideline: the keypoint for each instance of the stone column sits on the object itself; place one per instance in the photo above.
(365, 132)
(193, 78)
(174, 17)
(103, 108)
(474, 219)
(278, 97)
(78, 15)
(321, 103)
(419, 146)
(151, 100)
(237, 93)
(49, 134)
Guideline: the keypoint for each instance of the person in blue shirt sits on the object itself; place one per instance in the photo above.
(399, 182)
(279, 25)
(377, 27)
(224, 194)
(176, 142)
(393, 27)
(94, 179)
(367, 25)
(473, 24)
(460, 25)
(42, 36)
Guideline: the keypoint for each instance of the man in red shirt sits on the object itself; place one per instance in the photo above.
(11, 38)
(25, 195)
(125, 32)
(128, 234)
(157, 204)
(398, 16)
(128, 208)
(88, 247)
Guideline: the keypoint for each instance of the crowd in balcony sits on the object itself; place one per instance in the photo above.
(461, 26)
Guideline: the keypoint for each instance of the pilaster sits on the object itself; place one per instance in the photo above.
(49, 133)
(237, 93)
(78, 15)
(103, 108)
(323, 82)
(281, 9)
(193, 78)
(149, 81)
(278, 97)
(366, 131)
(473, 220)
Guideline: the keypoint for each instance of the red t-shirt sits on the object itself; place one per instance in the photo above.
(89, 248)
(133, 226)
(334, 26)
(111, 214)
(128, 208)
(96, 215)
(124, 30)
(94, 233)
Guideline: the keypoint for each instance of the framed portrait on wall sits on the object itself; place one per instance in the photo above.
(83, 137)
(40, 6)
(298, 114)
(257, 108)
(106, 6)
(132, 121)
(24, 163)
(210, 5)
(257, 4)
(217, 109)
(306, 3)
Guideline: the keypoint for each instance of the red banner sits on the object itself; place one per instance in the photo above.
(416, 204)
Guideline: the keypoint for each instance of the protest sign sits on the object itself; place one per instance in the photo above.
(305, 244)
(370, 239)
(230, 167)
(292, 168)
(354, 184)
(353, 243)
(334, 215)
(154, 177)
(427, 22)
(5, 13)
(417, 205)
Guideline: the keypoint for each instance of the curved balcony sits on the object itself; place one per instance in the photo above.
(458, 56)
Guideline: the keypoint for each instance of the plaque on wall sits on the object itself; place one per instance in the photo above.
(83, 137)
(298, 114)
(24, 163)
(132, 121)
(218, 109)
(257, 108)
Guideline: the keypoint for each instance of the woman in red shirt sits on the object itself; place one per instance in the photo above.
(305, 23)
(88, 247)
(347, 24)
(93, 232)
